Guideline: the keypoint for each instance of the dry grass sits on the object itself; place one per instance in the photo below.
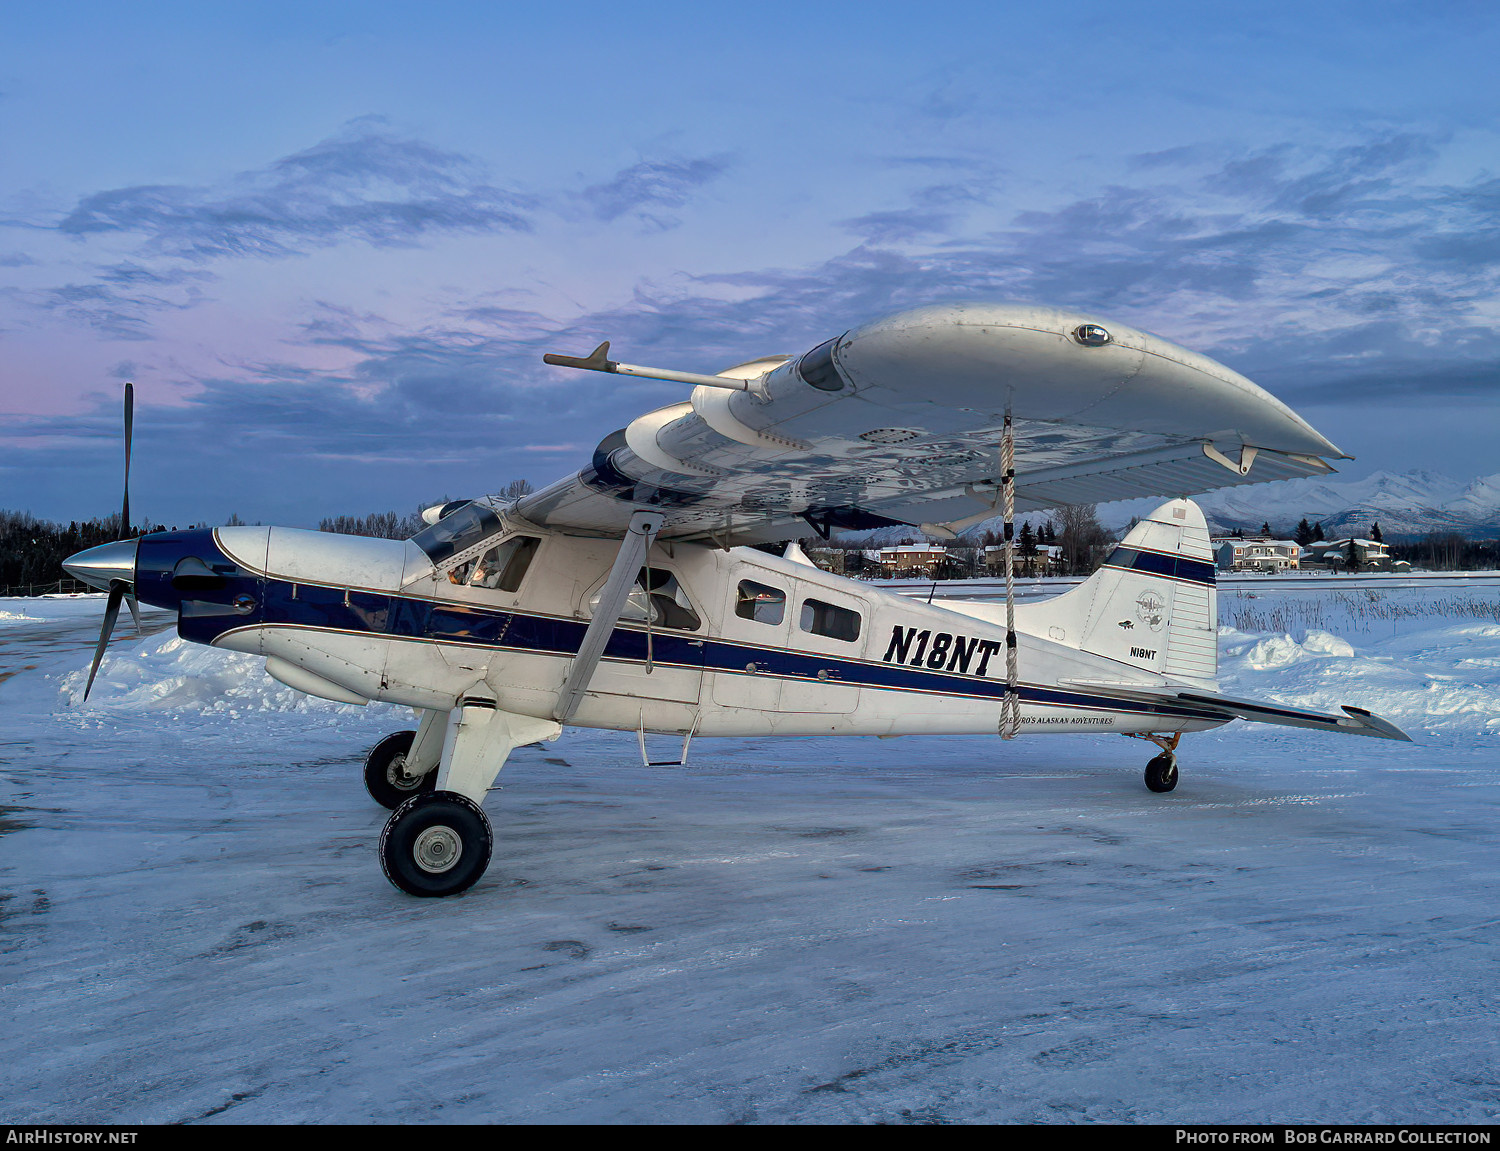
(1360, 610)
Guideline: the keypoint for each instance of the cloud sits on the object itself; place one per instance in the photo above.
(642, 190)
(119, 309)
(898, 226)
(364, 183)
(1333, 276)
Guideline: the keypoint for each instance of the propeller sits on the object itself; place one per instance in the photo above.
(111, 611)
(119, 589)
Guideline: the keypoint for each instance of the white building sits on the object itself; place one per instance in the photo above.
(1256, 554)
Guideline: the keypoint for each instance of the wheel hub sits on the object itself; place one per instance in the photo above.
(437, 849)
(395, 775)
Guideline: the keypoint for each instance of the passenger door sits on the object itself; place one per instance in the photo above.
(674, 644)
(831, 627)
(757, 621)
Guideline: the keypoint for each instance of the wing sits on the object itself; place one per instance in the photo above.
(899, 421)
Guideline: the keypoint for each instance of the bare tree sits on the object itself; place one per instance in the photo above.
(1084, 540)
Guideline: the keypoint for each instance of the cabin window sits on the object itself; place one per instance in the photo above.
(456, 531)
(669, 603)
(829, 619)
(503, 568)
(758, 602)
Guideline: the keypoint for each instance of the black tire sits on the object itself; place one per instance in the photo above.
(1161, 772)
(435, 845)
(387, 784)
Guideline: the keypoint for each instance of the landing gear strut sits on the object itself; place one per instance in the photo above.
(1161, 772)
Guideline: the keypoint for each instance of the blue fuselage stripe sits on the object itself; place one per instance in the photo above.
(402, 617)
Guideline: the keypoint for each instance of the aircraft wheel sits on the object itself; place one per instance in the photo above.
(436, 844)
(385, 775)
(1161, 772)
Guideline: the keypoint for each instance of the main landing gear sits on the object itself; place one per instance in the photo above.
(436, 844)
(1161, 772)
(438, 841)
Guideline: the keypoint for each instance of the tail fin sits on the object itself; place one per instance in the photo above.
(1151, 606)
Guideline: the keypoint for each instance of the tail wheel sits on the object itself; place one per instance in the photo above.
(386, 778)
(1161, 772)
(437, 844)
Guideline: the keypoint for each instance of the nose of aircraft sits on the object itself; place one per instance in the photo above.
(99, 565)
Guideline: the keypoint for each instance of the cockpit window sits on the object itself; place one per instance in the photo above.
(669, 603)
(456, 531)
(819, 370)
(503, 568)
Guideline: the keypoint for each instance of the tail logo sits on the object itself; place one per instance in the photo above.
(1150, 609)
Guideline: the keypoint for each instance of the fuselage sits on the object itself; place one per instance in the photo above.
(741, 642)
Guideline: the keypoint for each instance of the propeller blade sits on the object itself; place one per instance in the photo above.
(129, 429)
(135, 611)
(111, 610)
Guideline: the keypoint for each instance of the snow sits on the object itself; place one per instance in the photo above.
(193, 923)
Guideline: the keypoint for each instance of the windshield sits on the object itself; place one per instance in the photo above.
(456, 531)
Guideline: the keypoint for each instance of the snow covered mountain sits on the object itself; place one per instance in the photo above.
(1404, 504)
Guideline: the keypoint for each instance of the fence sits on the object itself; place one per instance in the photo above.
(56, 587)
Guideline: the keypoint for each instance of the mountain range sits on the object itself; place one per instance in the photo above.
(1404, 504)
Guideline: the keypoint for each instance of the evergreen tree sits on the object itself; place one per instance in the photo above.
(1026, 546)
(1304, 534)
(1375, 533)
(1318, 532)
(1265, 529)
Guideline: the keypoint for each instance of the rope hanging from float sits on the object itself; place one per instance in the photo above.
(1010, 711)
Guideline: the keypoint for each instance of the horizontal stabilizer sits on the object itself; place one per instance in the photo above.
(1354, 721)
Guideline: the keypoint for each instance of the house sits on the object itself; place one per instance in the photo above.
(912, 559)
(1047, 561)
(1334, 555)
(1256, 554)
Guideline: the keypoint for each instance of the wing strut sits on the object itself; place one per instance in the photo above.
(612, 598)
(1010, 711)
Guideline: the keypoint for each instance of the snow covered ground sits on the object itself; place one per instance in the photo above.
(194, 926)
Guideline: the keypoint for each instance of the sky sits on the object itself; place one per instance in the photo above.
(330, 243)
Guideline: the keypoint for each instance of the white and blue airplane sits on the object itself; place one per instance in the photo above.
(625, 596)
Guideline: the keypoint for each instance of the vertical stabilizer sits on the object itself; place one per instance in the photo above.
(1151, 606)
